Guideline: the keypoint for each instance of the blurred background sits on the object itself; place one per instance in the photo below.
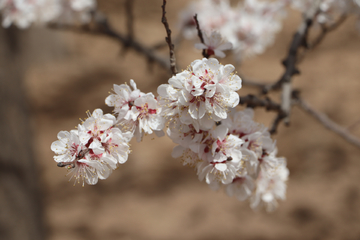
(50, 78)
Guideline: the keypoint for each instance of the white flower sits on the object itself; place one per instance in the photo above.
(210, 89)
(214, 44)
(74, 11)
(85, 170)
(94, 150)
(169, 94)
(20, 12)
(224, 146)
(222, 158)
(221, 172)
(241, 123)
(257, 141)
(329, 10)
(145, 116)
(270, 188)
(212, 14)
(80, 5)
(241, 187)
(105, 142)
(250, 26)
(185, 135)
(95, 126)
(202, 94)
(186, 155)
(123, 99)
(67, 147)
(75, 156)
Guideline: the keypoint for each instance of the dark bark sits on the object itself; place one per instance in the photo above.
(20, 200)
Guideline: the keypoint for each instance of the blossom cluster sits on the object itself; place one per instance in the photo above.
(237, 153)
(225, 146)
(136, 111)
(23, 13)
(93, 150)
(330, 10)
(250, 27)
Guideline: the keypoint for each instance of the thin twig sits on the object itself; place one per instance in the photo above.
(204, 52)
(168, 39)
(198, 29)
(178, 39)
(328, 123)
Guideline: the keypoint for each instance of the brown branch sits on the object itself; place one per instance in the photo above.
(129, 18)
(102, 27)
(324, 31)
(290, 62)
(253, 102)
(328, 123)
(252, 83)
(299, 40)
(276, 123)
(204, 52)
(168, 40)
(178, 39)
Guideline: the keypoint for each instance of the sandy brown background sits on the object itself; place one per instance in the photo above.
(152, 196)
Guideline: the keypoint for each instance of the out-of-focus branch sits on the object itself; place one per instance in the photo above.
(299, 40)
(324, 31)
(251, 82)
(290, 63)
(101, 26)
(168, 39)
(253, 102)
(204, 52)
(129, 18)
(328, 123)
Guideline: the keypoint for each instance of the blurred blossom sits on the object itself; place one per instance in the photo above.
(23, 13)
(214, 44)
(251, 26)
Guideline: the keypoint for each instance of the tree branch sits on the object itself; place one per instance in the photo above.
(129, 18)
(253, 102)
(324, 31)
(290, 62)
(102, 27)
(204, 52)
(328, 123)
(168, 39)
